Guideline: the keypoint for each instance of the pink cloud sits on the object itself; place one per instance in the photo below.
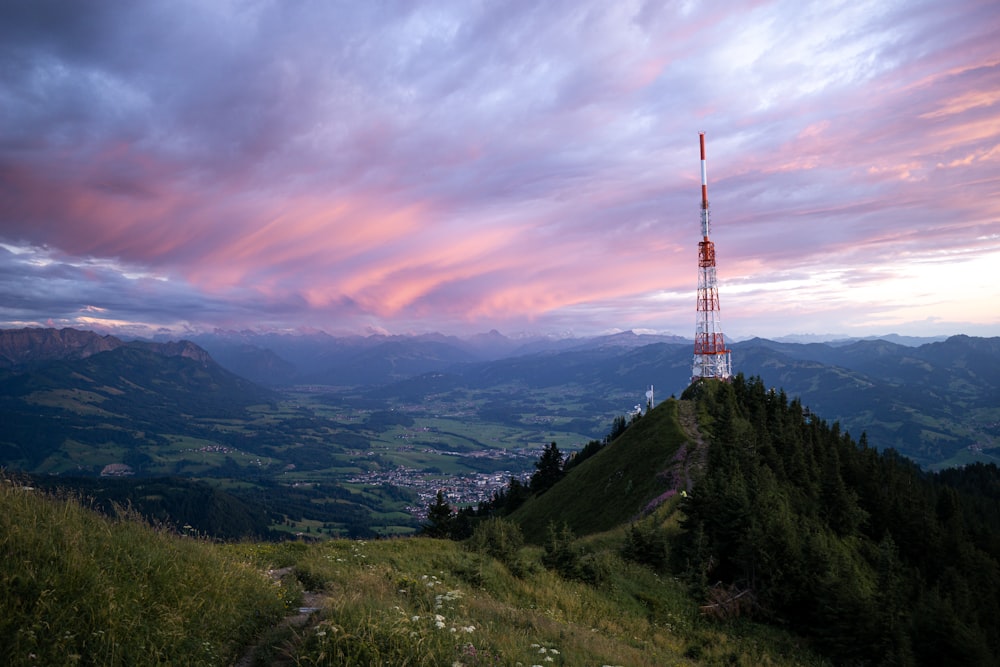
(469, 164)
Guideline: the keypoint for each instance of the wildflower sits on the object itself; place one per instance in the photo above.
(414, 618)
(469, 629)
(439, 624)
(438, 617)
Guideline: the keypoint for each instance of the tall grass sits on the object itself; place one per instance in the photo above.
(80, 588)
(426, 602)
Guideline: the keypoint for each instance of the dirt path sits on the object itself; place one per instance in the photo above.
(311, 604)
(695, 460)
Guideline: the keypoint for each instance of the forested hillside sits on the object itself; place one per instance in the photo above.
(878, 562)
(783, 518)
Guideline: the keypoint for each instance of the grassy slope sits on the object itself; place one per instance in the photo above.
(616, 484)
(78, 588)
(421, 601)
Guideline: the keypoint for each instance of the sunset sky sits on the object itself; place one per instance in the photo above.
(461, 166)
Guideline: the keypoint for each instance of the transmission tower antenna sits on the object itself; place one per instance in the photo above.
(711, 357)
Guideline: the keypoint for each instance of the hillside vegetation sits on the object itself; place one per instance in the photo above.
(874, 560)
(77, 588)
(741, 530)
(789, 521)
(646, 465)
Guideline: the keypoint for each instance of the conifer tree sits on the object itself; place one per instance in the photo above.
(440, 518)
(548, 469)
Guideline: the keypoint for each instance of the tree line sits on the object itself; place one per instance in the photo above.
(877, 561)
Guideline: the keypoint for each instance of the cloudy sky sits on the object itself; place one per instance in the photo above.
(459, 166)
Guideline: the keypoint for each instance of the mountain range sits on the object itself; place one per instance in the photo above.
(937, 403)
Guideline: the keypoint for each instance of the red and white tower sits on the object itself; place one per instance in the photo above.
(711, 357)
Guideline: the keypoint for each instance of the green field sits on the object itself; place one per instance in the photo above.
(329, 462)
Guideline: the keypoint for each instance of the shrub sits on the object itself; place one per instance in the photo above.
(499, 538)
(646, 545)
(563, 555)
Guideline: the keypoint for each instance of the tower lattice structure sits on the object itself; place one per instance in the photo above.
(711, 356)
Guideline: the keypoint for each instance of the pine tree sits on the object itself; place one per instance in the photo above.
(548, 469)
(440, 518)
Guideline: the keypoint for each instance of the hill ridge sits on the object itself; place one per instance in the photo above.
(32, 346)
(650, 462)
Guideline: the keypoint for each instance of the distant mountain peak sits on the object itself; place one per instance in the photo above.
(24, 346)
(19, 347)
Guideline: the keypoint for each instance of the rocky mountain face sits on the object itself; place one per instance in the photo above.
(25, 347)
(19, 347)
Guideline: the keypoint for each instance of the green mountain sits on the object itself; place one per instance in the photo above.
(128, 395)
(769, 512)
(652, 461)
(938, 403)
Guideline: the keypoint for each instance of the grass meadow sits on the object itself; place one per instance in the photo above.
(426, 602)
(79, 588)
